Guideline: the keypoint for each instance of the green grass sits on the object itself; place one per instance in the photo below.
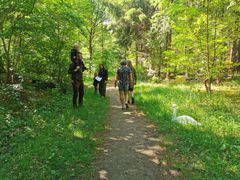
(211, 151)
(43, 137)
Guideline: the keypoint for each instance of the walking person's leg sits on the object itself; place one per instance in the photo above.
(121, 96)
(81, 93)
(131, 94)
(95, 88)
(101, 88)
(126, 94)
(104, 89)
(133, 101)
(126, 98)
(75, 93)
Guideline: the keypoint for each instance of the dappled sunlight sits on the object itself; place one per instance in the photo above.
(104, 150)
(154, 139)
(117, 107)
(127, 113)
(152, 152)
(78, 134)
(216, 111)
(129, 121)
(121, 138)
(133, 112)
(132, 146)
(174, 173)
(151, 126)
(111, 88)
(103, 174)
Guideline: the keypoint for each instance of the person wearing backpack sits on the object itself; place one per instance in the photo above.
(76, 69)
(134, 81)
(123, 80)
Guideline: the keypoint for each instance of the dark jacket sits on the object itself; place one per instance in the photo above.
(76, 56)
(76, 75)
(103, 73)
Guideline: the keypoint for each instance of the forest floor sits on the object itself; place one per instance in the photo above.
(132, 148)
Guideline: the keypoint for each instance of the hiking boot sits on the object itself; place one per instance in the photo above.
(127, 106)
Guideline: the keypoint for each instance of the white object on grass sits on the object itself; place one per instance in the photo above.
(183, 119)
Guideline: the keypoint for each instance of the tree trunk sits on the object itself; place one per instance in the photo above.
(136, 53)
(6, 48)
(91, 50)
(102, 43)
(235, 54)
(208, 81)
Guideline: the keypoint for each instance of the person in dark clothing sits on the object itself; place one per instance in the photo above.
(134, 81)
(76, 69)
(123, 79)
(103, 73)
(95, 83)
(76, 56)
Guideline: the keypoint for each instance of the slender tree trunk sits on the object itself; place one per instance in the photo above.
(235, 54)
(6, 48)
(102, 43)
(208, 81)
(91, 50)
(167, 47)
(214, 58)
(160, 62)
(238, 57)
(136, 53)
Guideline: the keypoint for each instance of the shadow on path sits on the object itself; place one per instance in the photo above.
(132, 149)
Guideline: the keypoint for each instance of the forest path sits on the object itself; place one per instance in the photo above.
(132, 149)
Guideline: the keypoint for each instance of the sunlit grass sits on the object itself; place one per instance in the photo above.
(211, 150)
(50, 139)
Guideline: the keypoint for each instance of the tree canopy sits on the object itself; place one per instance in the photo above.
(199, 39)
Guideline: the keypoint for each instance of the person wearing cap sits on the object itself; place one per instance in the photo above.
(123, 80)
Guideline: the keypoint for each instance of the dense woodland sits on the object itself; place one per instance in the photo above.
(165, 39)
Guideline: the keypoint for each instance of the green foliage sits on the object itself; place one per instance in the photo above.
(176, 37)
(210, 151)
(37, 36)
(42, 136)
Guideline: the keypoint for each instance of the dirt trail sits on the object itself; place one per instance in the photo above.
(132, 149)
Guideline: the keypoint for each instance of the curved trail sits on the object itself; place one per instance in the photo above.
(132, 149)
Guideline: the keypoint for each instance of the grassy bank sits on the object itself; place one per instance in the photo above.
(43, 137)
(211, 151)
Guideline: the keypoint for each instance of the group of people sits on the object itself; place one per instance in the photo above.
(125, 79)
